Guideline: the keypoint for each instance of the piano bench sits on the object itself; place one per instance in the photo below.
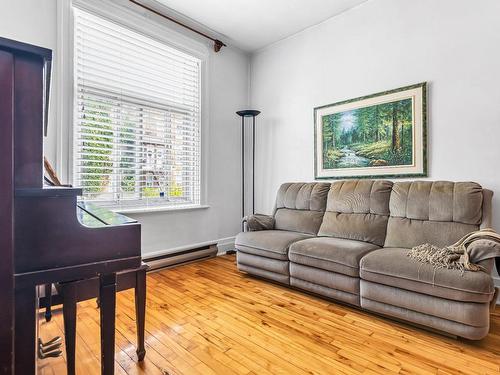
(68, 294)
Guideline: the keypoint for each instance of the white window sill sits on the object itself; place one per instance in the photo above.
(142, 210)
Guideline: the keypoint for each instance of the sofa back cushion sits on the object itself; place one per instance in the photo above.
(436, 212)
(300, 206)
(357, 210)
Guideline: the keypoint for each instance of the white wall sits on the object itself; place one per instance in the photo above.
(380, 45)
(35, 22)
(377, 46)
(228, 93)
(30, 21)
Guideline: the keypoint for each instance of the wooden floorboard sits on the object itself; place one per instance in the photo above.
(207, 318)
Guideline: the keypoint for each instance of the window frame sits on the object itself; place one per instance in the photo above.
(148, 25)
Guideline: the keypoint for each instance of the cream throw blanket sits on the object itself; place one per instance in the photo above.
(462, 255)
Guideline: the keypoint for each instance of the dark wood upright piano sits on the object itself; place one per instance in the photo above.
(46, 235)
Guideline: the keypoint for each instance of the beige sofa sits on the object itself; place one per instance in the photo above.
(349, 240)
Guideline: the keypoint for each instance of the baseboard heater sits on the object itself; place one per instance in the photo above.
(181, 257)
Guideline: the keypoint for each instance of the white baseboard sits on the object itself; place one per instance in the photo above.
(225, 244)
(181, 258)
(176, 256)
(222, 243)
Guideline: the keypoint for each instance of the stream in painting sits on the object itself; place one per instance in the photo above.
(350, 159)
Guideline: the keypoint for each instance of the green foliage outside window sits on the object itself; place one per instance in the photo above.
(175, 190)
(109, 151)
(96, 161)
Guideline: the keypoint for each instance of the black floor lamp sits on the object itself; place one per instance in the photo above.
(247, 113)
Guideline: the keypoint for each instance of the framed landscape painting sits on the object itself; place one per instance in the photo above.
(380, 135)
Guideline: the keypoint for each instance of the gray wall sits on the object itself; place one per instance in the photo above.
(377, 46)
(35, 21)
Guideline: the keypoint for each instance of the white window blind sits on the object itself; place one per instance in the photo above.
(137, 117)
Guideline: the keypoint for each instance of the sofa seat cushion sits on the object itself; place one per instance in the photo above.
(272, 265)
(268, 243)
(391, 266)
(470, 313)
(331, 254)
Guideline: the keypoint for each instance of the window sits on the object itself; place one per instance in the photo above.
(137, 136)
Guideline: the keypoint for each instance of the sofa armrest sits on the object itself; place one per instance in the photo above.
(483, 250)
(258, 222)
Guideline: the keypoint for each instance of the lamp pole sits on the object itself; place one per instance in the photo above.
(247, 113)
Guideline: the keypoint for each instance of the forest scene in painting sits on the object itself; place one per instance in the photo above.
(375, 136)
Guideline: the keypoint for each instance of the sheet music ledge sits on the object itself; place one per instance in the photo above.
(52, 191)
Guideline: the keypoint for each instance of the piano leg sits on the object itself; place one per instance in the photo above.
(107, 298)
(140, 311)
(69, 314)
(25, 331)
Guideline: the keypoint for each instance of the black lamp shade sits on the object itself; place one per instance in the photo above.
(248, 113)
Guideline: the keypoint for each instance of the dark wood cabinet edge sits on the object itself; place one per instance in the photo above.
(16, 46)
(62, 274)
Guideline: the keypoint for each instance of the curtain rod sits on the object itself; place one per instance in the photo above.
(217, 43)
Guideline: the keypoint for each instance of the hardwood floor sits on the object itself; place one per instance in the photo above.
(206, 318)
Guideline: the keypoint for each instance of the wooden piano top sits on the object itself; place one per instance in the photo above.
(56, 235)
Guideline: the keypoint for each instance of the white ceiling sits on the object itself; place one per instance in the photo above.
(253, 24)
